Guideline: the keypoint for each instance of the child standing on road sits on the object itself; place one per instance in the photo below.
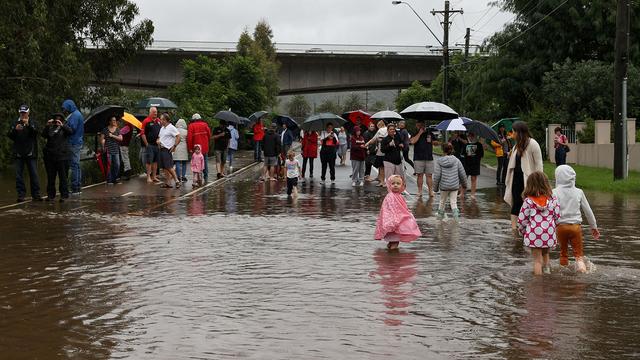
(571, 200)
(537, 220)
(197, 165)
(293, 173)
(449, 176)
(395, 222)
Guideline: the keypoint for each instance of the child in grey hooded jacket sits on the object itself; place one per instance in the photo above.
(569, 231)
(449, 176)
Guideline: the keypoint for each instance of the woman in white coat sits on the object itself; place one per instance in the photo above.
(181, 155)
(525, 160)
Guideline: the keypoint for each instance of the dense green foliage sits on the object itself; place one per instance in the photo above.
(552, 63)
(299, 107)
(244, 82)
(48, 53)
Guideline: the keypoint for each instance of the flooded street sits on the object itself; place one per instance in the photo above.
(241, 271)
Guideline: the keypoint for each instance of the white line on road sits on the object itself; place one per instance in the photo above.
(126, 194)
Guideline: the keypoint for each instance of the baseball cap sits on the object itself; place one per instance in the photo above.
(23, 108)
(196, 116)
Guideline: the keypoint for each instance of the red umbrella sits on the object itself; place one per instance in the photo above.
(104, 163)
(358, 116)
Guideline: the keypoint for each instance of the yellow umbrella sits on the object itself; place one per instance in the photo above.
(132, 120)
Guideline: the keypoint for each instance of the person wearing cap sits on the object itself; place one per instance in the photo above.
(75, 121)
(198, 132)
(24, 134)
(57, 153)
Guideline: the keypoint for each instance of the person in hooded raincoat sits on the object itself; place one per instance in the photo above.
(395, 222)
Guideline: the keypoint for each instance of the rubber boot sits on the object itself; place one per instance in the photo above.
(456, 213)
(440, 214)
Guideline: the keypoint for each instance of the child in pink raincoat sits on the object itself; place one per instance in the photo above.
(197, 165)
(395, 222)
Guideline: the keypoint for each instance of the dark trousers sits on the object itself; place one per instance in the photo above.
(59, 169)
(501, 173)
(405, 154)
(367, 167)
(561, 156)
(114, 169)
(33, 178)
(328, 160)
(304, 166)
(257, 150)
(291, 183)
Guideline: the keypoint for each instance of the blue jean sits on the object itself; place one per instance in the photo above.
(114, 169)
(74, 166)
(561, 156)
(181, 168)
(230, 153)
(34, 183)
(257, 150)
(205, 172)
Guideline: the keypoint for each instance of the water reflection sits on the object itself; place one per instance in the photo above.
(395, 272)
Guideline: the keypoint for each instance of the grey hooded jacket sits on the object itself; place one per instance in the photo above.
(571, 199)
(449, 174)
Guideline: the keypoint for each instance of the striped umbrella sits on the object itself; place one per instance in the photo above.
(457, 124)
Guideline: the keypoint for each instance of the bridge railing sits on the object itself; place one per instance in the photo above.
(301, 48)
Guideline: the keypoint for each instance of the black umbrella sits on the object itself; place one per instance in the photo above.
(98, 118)
(257, 115)
(319, 122)
(284, 119)
(244, 121)
(482, 130)
(228, 116)
(157, 102)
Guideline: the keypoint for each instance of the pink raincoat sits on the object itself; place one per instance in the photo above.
(395, 221)
(197, 161)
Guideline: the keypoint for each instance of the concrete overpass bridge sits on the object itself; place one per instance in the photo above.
(306, 68)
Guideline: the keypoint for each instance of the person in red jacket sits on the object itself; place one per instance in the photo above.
(198, 132)
(309, 151)
(258, 137)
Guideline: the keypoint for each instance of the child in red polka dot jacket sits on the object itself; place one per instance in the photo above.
(537, 220)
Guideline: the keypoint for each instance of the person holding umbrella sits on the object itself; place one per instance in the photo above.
(258, 137)
(474, 153)
(309, 151)
(423, 143)
(377, 139)
(56, 156)
(328, 150)
(25, 151)
(286, 140)
(221, 136)
(110, 139)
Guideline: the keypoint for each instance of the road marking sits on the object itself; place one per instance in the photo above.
(126, 194)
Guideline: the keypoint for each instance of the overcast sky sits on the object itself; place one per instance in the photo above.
(319, 21)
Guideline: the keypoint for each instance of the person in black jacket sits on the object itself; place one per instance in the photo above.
(271, 150)
(24, 134)
(57, 154)
(392, 146)
(328, 154)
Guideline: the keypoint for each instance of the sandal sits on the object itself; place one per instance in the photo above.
(178, 184)
(165, 186)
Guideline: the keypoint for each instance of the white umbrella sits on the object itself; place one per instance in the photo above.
(386, 115)
(429, 110)
(457, 124)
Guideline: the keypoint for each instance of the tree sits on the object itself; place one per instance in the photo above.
(378, 106)
(264, 53)
(44, 54)
(329, 106)
(353, 102)
(299, 107)
(244, 44)
(414, 94)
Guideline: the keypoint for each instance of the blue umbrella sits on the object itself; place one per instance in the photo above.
(457, 124)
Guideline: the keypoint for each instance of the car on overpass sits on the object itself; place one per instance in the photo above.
(314, 50)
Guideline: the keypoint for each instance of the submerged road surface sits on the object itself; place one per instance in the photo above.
(242, 271)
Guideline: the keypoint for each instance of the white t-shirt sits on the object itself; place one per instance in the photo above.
(292, 168)
(168, 136)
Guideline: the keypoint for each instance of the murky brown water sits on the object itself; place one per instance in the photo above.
(244, 272)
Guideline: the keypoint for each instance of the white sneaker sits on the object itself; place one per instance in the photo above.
(361, 183)
(353, 183)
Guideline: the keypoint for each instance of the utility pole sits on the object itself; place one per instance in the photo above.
(445, 46)
(620, 159)
(467, 36)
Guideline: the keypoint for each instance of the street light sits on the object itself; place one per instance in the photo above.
(419, 17)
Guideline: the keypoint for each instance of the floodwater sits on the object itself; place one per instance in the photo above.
(241, 271)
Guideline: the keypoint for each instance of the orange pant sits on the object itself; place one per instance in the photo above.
(569, 233)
